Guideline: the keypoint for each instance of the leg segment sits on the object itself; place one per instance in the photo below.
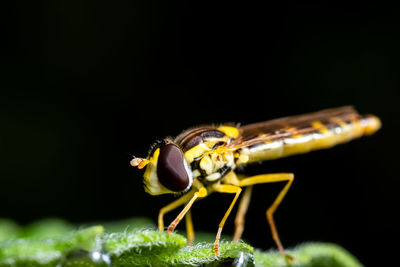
(173, 205)
(272, 178)
(225, 189)
(201, 193)
(189, 228)
(241, 213)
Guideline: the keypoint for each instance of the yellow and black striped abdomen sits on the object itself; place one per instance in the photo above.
(305, 136)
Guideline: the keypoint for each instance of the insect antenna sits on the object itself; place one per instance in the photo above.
(140, 163)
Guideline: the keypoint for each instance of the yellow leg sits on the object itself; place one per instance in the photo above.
(225, 189)
(171, 206)
(189, 228)
(272, 178)
(241, 213)
(201, 193)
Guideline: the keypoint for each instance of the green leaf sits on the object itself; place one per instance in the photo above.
(8, 229)
(47, 228)
(309, 255)
(142, 248)
(49, 251)
(51, 243)
(127, 225)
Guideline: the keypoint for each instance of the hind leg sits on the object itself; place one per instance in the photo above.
(272, 178)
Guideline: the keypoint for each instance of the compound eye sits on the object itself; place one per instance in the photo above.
(171, 169)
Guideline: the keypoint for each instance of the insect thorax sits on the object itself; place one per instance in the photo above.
(213, 166)
(202, 151)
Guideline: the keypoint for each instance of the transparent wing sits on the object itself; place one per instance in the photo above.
(286, 127)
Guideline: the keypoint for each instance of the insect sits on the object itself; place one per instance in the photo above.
(203, 160)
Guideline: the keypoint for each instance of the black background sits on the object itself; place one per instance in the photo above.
(87, 84)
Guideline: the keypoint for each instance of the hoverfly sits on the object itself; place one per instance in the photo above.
(203, 160)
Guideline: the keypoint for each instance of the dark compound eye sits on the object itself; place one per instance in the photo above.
(171, 169)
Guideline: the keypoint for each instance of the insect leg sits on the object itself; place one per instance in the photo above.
(171, 206)
(201, 193)
(225, 189)
(272, 178)
(189, 228)
(241, 213)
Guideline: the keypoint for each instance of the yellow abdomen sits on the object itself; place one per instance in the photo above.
(316, 137)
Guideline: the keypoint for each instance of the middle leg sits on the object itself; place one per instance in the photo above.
(222, 188)
(241, 213)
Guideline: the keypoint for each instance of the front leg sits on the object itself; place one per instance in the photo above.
(199, 194)
(189, 228)
(171, 206)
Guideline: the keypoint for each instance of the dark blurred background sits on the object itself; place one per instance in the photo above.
(87, 84)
